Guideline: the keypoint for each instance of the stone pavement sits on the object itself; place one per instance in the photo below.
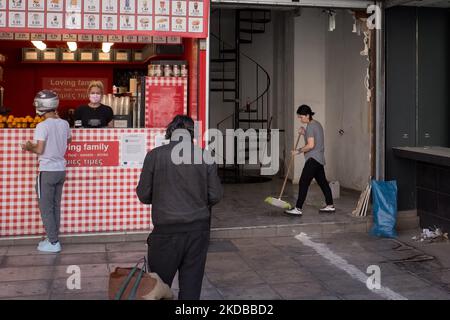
(279, 267)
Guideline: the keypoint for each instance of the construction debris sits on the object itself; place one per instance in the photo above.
(428, 235)
(363, 202)
(415, 258)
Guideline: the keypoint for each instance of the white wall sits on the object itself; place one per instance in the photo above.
(309, 71)
(346, 106)
(283, 81)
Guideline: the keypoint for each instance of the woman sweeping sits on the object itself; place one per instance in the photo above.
(314, 151)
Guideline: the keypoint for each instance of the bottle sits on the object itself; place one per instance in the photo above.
(184, 71)
(167, 70)
(71, 117)
(158, 70)
(151, 70)
(176, 70)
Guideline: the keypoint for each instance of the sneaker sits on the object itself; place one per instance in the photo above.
(43, 242)
(294, 212)
(49, 247)
(328, 209)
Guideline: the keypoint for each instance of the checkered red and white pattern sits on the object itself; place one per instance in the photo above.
(164, 81)
(95, 199)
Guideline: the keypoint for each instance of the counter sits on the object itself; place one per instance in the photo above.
(433, 155)
(432, 183)
(98, 196)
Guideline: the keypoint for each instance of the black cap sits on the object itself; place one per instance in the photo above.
(305, 110)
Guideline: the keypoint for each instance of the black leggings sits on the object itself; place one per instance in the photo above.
(313, 170)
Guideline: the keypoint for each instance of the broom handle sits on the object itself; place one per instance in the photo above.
(289, 167)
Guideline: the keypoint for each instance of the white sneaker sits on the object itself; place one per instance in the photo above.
(48, 247)
(328, 209)
(41, 243)
(294, 212)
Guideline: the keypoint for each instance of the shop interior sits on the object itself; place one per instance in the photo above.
(288, 56)
(25, 69)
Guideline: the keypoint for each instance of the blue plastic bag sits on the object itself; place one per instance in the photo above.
(384, 196)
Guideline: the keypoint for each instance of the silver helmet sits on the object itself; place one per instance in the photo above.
(45, 101)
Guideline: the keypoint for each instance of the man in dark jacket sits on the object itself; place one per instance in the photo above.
(181, 196)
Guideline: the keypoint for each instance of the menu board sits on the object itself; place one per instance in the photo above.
(184, 18)
(165, 97)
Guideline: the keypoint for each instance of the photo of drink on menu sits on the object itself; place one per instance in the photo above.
(162, 7)
(35, 20)
(196, 8)
(36, 5)
(73, 20)
(16, 19)
(127, 22)
(144, 6)
(92, 6)
(2, 19)
(73, 5)
(127, 6)
(109, 22)
(17, 5)
(179, 8)
(55, 5)
(92, 21)
(54, 20)
(109, 6)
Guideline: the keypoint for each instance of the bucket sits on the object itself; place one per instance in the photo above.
(335, 189)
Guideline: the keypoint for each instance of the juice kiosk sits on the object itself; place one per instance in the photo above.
(151, 58)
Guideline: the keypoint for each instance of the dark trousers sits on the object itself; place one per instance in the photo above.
(313, 170)
(185, 252)
(49, 187)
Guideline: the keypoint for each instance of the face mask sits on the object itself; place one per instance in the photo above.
(95, 98)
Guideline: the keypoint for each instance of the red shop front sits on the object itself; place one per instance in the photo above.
(154, 69)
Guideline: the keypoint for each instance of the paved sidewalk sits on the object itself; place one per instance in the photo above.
(250, 268)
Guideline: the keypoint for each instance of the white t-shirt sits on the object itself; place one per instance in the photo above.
(55, 133)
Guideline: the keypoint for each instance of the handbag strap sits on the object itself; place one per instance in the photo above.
(136, 285)
(128, 279)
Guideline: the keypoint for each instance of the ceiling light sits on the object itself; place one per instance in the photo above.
(106, 46)
(72, 46)
(39, 44)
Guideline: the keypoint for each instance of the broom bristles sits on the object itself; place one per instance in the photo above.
(278, 203)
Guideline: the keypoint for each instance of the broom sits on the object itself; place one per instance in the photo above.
(277, 202)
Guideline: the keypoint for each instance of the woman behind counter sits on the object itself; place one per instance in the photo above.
(94, 114)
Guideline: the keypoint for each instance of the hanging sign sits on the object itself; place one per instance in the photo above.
(183, 18)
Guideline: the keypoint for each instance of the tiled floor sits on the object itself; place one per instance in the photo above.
(266, 263)
(243, 206)
(251, 268)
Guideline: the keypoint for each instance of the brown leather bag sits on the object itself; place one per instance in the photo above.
(137, 283)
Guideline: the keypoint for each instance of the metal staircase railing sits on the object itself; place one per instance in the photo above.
(255, 111)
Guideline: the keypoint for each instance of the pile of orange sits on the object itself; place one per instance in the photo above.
(19, 122)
